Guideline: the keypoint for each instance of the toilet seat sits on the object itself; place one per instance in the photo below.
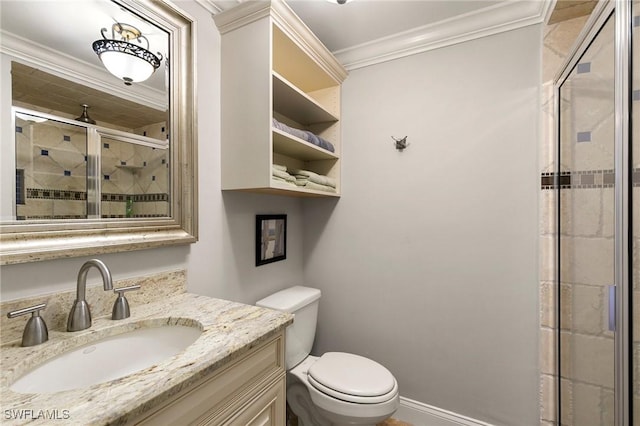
(352, 378)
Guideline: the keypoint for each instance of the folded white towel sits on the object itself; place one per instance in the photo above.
(318, 187)
(314, 177)
(283, 175)
(280, 167)
(277, 179)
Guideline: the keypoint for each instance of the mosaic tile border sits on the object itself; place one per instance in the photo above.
(59, 194)
(56, 194)
(104, 216)
(36, 217)
(135, 216)
(159, 196)
(583, 179)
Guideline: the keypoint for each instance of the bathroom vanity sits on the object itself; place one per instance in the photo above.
(233, 373)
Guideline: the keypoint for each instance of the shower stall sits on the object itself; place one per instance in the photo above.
(598, 217)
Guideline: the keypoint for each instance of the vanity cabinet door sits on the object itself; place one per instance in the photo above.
(268, 409)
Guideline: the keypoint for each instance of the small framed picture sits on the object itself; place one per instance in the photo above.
(271, 238)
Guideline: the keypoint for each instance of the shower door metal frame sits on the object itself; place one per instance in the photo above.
(623, 239)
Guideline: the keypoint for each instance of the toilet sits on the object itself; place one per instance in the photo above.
(336, 388)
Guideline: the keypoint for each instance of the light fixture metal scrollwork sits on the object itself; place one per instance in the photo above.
(128, 61)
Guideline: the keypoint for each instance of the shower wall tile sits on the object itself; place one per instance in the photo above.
(566, 303)
(584, 212)
(547, 266)
(587, 401)
(558, 40)
(547, 150)
(156, 131)
(607, 407)
(594, 155)
(547, 399)
(547, 354)
(593, 360)
(587, 260)
(547, 305)
(608, 217)
(35, 207)
(547, 218)
(566, 397)
(69, 208)
(588, 309)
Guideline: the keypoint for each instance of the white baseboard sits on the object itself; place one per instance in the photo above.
(420, 414)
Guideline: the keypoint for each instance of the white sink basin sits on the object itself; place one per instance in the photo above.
(107, 359)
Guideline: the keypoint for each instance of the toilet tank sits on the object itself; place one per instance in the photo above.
(303, 303)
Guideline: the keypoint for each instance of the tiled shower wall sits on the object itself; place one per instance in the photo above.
(52, 178)
(558, 41)
(587, 346)
(51, 181)
(588, 390)
(135, 180)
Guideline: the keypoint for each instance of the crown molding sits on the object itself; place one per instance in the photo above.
(505, 16)
(210, 6)
(70, 68)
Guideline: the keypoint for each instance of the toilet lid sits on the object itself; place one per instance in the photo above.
(346, 376)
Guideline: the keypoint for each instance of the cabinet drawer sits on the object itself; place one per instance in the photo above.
(225, 387)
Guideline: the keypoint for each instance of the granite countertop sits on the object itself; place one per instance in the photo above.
(229, 330)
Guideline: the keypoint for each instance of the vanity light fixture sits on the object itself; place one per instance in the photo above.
(124, 55)
(339, 1)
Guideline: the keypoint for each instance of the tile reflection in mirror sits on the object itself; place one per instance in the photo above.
(135, 180)
(51, 179)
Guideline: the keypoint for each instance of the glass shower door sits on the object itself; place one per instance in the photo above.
(586, 235)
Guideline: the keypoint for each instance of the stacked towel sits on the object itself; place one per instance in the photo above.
(279, 173)
(308, 176)
(311, 180)
(302, 178)
(305, 135)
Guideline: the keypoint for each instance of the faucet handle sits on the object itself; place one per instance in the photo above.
(121, 306)
(35, 332)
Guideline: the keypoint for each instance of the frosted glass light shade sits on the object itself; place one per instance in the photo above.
(127, 61)
(127, 67)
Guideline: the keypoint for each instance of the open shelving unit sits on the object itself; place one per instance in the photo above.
(274, 67)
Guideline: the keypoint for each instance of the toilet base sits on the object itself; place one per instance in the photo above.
(309, 414)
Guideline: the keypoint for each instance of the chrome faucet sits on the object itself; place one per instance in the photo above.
(80, 315)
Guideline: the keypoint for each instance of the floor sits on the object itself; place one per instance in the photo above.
(394, 422)
(292, 420)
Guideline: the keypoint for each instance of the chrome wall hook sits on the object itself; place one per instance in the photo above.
(401, 144)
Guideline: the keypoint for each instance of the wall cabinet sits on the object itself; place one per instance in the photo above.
(273, 67)
(249, 391)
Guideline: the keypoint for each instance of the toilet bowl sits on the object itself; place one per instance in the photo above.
(366, 395)
(336, 388)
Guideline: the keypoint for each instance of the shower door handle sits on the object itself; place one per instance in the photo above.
(612, 308)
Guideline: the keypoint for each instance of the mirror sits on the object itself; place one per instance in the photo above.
(94, 161)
